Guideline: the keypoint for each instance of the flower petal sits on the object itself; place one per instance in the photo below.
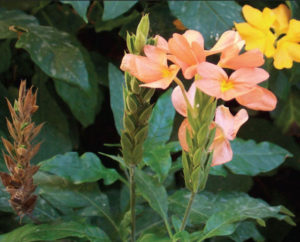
(164, 82)
(162, 43)
(156, 54)
(226, 40)
(250, 76)
(230, 124)
(261, 20)
(249, 59)
(222, 151)
(283, 15)
(178, 100)
(182, 134)
(258, 99)
(194, 36)
(179, 46)
(210, 71)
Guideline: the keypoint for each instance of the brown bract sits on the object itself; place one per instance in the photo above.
(19, 181)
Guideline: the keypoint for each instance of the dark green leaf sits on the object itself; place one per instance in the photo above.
(60, 16)
(86, 168)
(80, 7)
(230, 182)
(246, 230)
(5, 57)
(221, 211)
(65, 196)
(55, 133)
(116, 82)
(101, 25)
(295, 7)
(113, 9)
(289, 114)
(251, 159)
(16, 18)
(159, 159)
(4, 197)
(55, 231)
(161, 121)
(218, 171)
(83, 104)
(211, 18)
(57, 54)
(154, 193)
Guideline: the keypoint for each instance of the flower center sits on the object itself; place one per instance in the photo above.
(166, 72)
(226, 85)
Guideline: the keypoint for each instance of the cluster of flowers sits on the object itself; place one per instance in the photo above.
(187, 53)
(273, 32)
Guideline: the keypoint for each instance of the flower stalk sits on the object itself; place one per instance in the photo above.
(19, 180)
(137, 111)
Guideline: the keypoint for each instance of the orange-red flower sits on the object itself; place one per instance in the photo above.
(215, 82)
(187, 51)
(151, 69)
(227, 127)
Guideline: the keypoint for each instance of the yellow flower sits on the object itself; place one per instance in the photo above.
(288, 47)
(257, 31)
(273, 33)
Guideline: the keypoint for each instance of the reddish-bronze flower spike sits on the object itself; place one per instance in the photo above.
(19, 181)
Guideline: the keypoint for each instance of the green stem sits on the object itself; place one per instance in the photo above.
(168, 228)
(180, 84)
(132, 201)
(187, 211)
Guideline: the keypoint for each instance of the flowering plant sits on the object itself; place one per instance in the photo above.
(159, 121)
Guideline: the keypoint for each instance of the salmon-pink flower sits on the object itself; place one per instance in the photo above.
(258, 98)
(151, 69)
(230, 58)
(179, 102)
(187, 51)
(180, 106)
(227, 127)
(161, 43)
(227, 40)
(215, 82)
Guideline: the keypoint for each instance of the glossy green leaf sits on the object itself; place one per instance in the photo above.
(211, 18)
(159, 159)
(289, 114)
(113, 9)
(154, 193)
(55, 133)
(86, 168)
(116, 82)
(83, 104)
(218, 171)
(246, 230)
(68, 198)
(16, 18)
(80, 7)
(220, 212)
(251, 159)
(55, 231)
(57, 54)
(161, 120)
